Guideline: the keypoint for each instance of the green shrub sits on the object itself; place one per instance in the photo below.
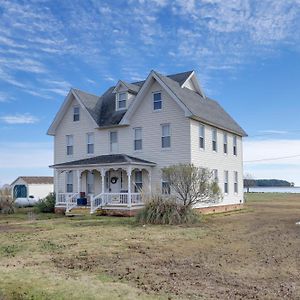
(166, 211)
(47, 204)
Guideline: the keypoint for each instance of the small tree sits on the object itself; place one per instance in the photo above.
(47, 205)
(249, 181)
(192, 184)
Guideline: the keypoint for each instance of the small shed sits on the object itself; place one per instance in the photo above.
(36, 186)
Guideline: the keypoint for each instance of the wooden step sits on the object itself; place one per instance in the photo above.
(79, 211)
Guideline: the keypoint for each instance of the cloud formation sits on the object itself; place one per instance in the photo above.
(19, 119)
(211, 35)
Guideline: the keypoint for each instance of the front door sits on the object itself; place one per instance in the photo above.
(115, 181)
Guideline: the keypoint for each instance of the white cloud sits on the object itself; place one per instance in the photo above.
(19, 119)
(24, 159)
(274, 158)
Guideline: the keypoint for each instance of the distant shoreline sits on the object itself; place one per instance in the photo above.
(274, 189)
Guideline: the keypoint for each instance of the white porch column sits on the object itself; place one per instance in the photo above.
(102, 171)
(150, 181)
(56, 185)
(78, 181)
(129, 170)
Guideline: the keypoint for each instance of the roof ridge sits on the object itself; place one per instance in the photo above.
(79, 90)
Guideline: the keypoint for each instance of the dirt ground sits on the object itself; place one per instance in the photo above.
(250, 254)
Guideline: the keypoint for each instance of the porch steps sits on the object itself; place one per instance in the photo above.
(79, 212)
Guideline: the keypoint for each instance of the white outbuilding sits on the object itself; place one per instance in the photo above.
(34, 187)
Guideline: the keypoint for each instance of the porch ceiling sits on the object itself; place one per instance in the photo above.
(110, 159)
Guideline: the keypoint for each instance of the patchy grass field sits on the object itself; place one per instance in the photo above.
(251, 254)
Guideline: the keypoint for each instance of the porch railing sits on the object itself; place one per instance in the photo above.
(71, 201)
(114, 199)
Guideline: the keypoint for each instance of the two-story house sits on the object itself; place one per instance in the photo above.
(112, 147)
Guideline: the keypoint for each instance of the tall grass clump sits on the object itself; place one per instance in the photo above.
(46, 205)
(6, 202)
(166, 211)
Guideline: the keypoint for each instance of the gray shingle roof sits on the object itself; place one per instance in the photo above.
(207, 110)
(36, 179)
(102, 109)
(106, 160)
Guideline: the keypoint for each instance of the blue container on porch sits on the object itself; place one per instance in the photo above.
(81, 201)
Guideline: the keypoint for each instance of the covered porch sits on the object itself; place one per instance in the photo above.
(107, 182)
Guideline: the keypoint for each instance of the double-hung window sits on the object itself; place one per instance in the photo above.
(113, 141)
(70, 146)
(215, 175)
(90, 143)
(214, 139)
(234, 145)
(165, 136)
(165, 185)
(225, 143)
(138, 181)
(157, 101)
(90, 182)
(76, 113)
(138, 141)
(201, 136)
(122, 97)
(226, 182)
(69, 182)
(235, 182)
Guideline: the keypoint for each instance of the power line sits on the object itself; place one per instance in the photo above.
(274, 158)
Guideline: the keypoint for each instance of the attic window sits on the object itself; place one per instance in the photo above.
(157, 101)
(121, 104)
(76, 113)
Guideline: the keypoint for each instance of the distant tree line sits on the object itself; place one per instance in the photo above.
(250, 182)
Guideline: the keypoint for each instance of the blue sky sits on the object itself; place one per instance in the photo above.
(246, 54)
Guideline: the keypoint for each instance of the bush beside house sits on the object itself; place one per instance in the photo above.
(47, 204)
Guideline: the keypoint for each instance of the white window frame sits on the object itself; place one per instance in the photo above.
(112, 150)
(69, 182)
(201, 136)
(165, 190)
(234, 145)
(157, 101)
(118, 100)
(236, 180)
(226, 182)
(215, 175)
(75, 114)
(138, 182)
(70, 144)
(90, 144)
(225, 143)
(90, 183)
(214, 134)
(137, 139)
(163, 137)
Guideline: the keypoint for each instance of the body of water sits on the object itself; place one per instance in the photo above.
(274, 189)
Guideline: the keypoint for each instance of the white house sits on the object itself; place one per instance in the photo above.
(112, 146)
(37, 187)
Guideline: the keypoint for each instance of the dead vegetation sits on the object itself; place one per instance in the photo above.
(252, 254)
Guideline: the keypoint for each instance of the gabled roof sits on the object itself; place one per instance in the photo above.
(36, 179)
(205, 110)
(103, 113)
(133, 88)
(106, 160)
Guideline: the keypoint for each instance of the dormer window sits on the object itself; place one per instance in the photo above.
(76, 113)
(121, 101)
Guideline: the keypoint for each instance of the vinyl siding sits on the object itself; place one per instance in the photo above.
(218, 160)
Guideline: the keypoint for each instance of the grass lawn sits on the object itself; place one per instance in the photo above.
(250, 254)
